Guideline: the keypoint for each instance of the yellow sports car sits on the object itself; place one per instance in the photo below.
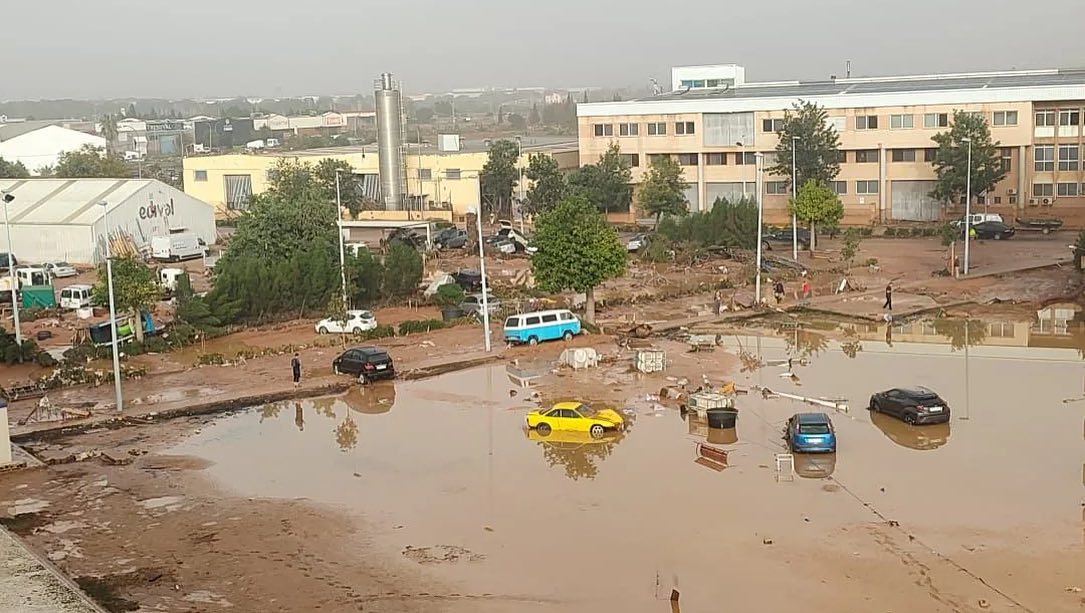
(577, 417)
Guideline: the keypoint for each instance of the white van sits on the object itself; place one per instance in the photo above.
(177, 246)
(75, 296)
(977, 218)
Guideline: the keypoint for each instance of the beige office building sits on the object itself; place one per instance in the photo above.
(713, 122)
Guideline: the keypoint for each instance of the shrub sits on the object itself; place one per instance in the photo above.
(449, 294)
(46, 360)
(416, 326)
(890, 232)
(382, 331)
(402, 271)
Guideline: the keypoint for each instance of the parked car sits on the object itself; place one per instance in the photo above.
(575, 416)
(978, 218)
(405, 236)
(917, 405)
(531, 328)
(811, 433)
(995, 230)
(60, 269)
(472, 305)
(637, 242)
(355, 323)
(456, 239)
(469, 280)
(366, 363)
(784, 235)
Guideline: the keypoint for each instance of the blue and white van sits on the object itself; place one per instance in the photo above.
(538, 326)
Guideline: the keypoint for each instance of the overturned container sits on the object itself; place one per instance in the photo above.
(650, 360)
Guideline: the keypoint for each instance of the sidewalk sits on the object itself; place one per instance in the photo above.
(30, 585)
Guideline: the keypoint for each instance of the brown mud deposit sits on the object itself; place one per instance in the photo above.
(430, 496)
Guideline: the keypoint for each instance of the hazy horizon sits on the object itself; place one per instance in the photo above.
(205, 49)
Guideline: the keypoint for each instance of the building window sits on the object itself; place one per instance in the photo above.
(238, 191)
(1005, 118)
(866, 187)
(1045, 118)
(657, 129)
(1043, 157)
(866, 122)
(604, 129)
(715, 159)
(897, 122)
(1041, 190)
(200, 175)
(631, 160)
(839, 187)
(929, 155)
(1069, 155)
(1000, 329)
(425, 174)
(687, 159)
(998, 199)
(1066, 189)
(628, 129)
(452, 174)
(776, 188)
(684, 127)
(772, 125)
(903, 155)
(655, 157)
(1070, 118)
(746, 157)
(866, 156)
(1007, 159)
(935, 120)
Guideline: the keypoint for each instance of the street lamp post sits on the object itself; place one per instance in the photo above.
(967, 203)
(482, 270)
(520, 181)
(760, 162)
(113, 311)
(794, 197)
(8, 199)
(342, 248)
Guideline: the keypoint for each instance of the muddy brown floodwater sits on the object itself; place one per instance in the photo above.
(436, 484)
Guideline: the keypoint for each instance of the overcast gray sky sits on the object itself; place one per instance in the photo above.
(212, 48)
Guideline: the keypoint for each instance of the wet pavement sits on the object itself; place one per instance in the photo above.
(932, 518)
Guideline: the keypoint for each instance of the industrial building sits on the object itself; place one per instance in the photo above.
(713, 123)
(42, 146)
(64, 219)
(404, 180)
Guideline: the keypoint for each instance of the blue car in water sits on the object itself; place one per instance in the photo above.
(811, 433)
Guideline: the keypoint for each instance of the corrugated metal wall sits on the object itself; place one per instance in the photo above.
(35, 244)
(912, 202)
(726, 129)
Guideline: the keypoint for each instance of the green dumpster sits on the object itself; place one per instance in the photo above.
(38, 297)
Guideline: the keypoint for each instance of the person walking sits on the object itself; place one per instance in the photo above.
(778, 291)
(295, 367)
(719, 302)
(806, 291)
(888, 296)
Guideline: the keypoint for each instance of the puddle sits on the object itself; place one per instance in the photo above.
(443, 469)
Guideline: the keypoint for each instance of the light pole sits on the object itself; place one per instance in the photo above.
(794, 197)
(113, 311)
(760, 161)
(8, 199)
(520, 181)
(967, 203)
(482, 270)
(342, 248)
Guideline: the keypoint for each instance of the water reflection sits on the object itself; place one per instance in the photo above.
(961, 333)
(373, 399)
(576, 452)
(346, 434)
(801, 342)
(920, 438)
(815, 465)
(722, 436)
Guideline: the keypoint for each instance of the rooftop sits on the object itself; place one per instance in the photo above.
(67, 201)
(532, 144)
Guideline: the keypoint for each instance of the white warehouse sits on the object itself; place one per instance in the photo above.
(64, 220)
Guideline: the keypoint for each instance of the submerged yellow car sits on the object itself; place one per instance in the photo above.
(576, 417)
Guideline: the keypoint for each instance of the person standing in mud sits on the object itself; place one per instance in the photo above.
(806, 291)
(778, 291)
(295, 367)
(888, 296)
(719, 302)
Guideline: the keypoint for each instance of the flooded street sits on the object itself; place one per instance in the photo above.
(982, 513)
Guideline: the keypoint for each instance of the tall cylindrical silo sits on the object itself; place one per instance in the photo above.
(390, 142)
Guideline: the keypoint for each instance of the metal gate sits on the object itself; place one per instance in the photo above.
(912, 202)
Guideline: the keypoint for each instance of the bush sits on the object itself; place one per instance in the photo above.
(416, 326)
(890, 232)
(382, 331)
(46, 360)
(449, 294)
(402, 271)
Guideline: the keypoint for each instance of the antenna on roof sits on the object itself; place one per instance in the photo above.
(847, 69)
(656, 89)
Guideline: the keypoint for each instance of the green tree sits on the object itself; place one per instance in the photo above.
(135, 289)
(349, 194)
(951, 158)
(365, 278)
(817, 204)
(517, 121)
(423, 114)
(13, 170)
(817, 151)
(499, 174)
(852, 239)
(548, 183)
(402, 271)
(195, 310)
(534, 118)
(607, 184)
(90, 162)
(578, 250)
(727, 224)
(663, 190)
